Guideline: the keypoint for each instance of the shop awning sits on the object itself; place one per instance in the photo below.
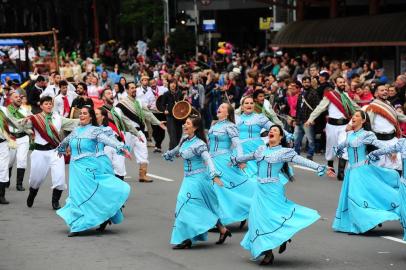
(363, 31)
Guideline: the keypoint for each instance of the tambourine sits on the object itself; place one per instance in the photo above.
(182, 109)
(160, 106)
(74, 113)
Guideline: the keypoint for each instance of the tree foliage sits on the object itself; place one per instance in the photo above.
(182, 41)
(146, 15)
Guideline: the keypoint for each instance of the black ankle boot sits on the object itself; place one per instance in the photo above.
(282, 247)
(341, 168)
(31, 196)
(268, 259)
(103, 226)
(184, 245)
(20, 179)
(9, 177)
(242, 224)
(330, 163)
(56, 195)
(223, 237)
(119, 176)
(3, 193)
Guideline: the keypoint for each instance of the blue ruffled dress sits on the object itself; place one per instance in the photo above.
(106, 167)
(273, 219)
(366, 198)
(236, 195)
(399, 147)
(197, 209)
(249, 127)
(94, 195)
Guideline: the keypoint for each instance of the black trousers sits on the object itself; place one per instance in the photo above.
(175, 131)
(157, 132)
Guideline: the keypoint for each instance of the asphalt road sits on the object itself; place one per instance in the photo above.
(36, 238)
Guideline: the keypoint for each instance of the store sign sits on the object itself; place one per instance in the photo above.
(265, 23)
(209, 25)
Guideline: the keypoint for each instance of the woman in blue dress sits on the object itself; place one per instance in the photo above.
(273, 219)
(250, 125)
(399, 147)
(197, 209)
(95, 197)
(236, 195)
(366, 199)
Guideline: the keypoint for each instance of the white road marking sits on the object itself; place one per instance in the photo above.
(394, 239)
(386, 237)
(160, 177)
(303, 168)
(127, 177)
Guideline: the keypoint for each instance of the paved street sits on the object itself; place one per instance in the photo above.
(36, 238)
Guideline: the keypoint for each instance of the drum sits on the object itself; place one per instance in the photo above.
(182, 110)
(74, 113)
(160, 106)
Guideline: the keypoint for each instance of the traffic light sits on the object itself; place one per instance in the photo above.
(183, 18)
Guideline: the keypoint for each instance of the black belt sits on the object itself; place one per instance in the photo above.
(385, 137)
(337, 122)
(2, 140)
(45, 147)
(19, 135)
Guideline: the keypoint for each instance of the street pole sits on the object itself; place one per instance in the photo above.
(196, 37)
(96, 27)
(54, 34)
(209, 43)
(166, 28)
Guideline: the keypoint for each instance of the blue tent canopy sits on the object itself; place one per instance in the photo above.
(11, 42)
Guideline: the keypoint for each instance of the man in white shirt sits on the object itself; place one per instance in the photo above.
(52, 90)
(147, 99)
(63, 101)
(19, 154)
(340, 110)
(385, 124)
(44, 157)
(157, 133)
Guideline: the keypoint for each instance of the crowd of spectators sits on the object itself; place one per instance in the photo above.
(213, 79)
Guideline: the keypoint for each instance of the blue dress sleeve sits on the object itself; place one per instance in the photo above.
(171, 154)
(339, 149)
(291, 156)
(396, 148)
(370, 139)
(264, 122)
(233, 133)
(202, 151)
(62, 147)
(257, 155)
(101, 134)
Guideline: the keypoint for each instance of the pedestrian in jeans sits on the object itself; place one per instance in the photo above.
(308, 100)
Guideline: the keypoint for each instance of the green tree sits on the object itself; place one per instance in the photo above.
(182, 41)
(146, 15)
